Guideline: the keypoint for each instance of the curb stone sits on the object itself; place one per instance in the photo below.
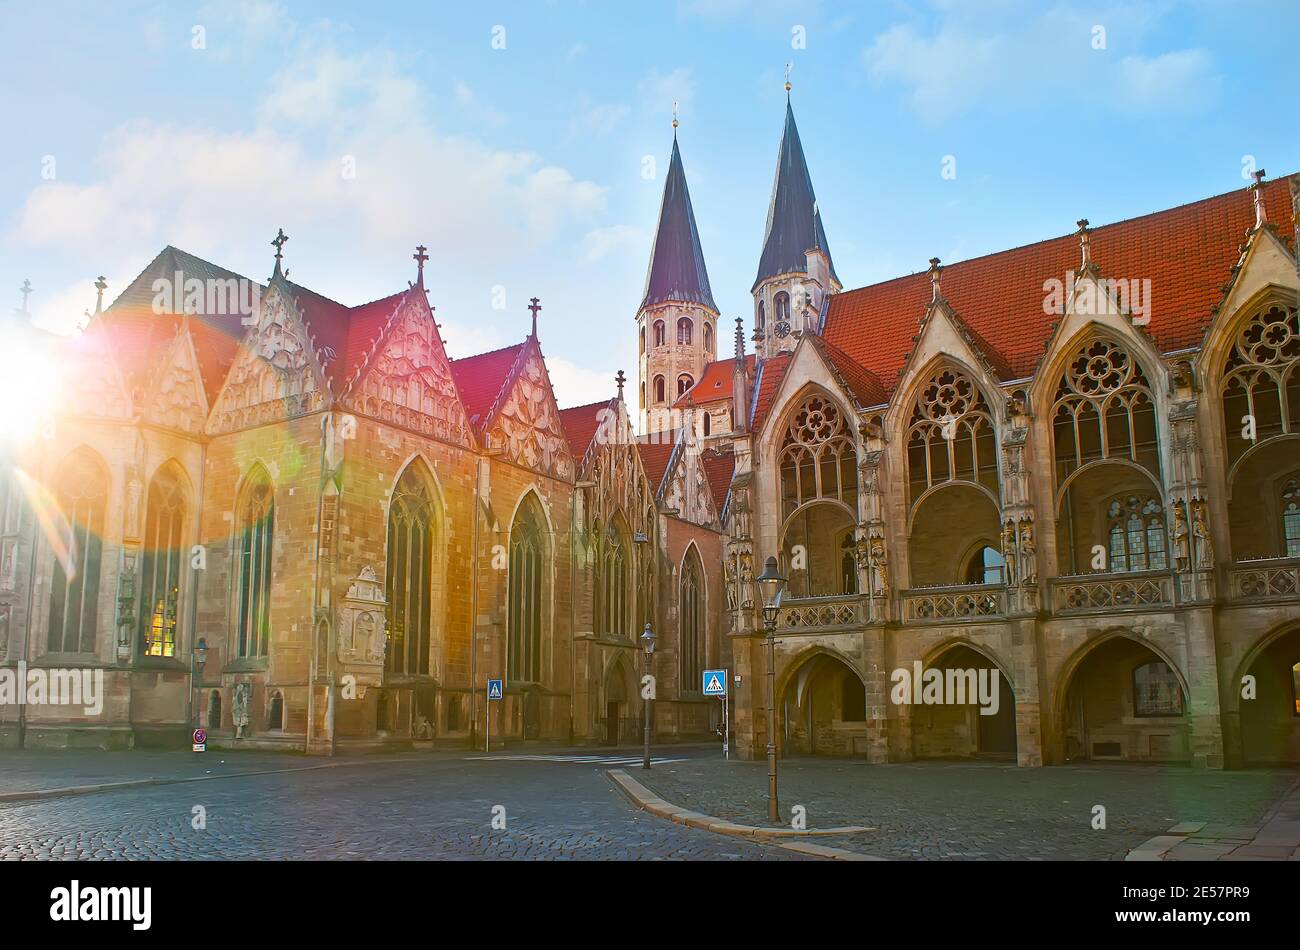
(648, 801)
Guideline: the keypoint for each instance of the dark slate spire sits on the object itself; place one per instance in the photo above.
(677, 270)
(794, 222)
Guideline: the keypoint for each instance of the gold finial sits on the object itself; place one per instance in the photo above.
(788, 67)
(674, 115)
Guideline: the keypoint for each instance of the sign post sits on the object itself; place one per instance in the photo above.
(493, 696)
(200, 738)
(715, 684)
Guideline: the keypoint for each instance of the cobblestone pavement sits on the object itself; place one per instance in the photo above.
(975, 810)
(429, 806)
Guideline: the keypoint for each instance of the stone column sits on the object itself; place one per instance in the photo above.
(1203, 684)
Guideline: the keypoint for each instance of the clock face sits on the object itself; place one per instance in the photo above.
(783, 329)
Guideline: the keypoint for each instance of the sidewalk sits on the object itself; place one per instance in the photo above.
(1276, 838)
(939, 810)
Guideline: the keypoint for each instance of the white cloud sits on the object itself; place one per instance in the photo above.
(658, 92)
(599, 243)
(1013, 56)
(575, 385)
(595, 120)
(478, 111)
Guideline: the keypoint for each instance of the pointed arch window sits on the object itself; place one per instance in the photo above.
(762, 317)
(818, 458)
(1103, 409)
(160, 577)
(524, 596)
(1262, 380)
(708, 340)
(612, 592)
(1156, 690)
(1291, 516)
(255, 544)
(685, 331)
(659, 389)
(950, 435)
(1135, 528)
(409, 578)
(642, 338)
(660, 332)
(781, 307)
(691, 610)
(82, 495)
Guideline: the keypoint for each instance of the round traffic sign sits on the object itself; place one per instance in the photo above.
(200, 736)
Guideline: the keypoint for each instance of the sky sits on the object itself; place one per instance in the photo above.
(526, 143)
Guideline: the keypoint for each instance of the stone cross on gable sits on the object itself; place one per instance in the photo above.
(620, 379)
(26, 290)
(280, 239)
(420, 257)
(534, 305)
(1084, 249)
(935, 271)
(100, 286)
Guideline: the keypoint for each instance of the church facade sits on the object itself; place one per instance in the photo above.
(1067, 470)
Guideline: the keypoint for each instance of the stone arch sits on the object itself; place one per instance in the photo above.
(976, 674)
(947, 520)
(822, 705)
(619, 697)
(1112, 724)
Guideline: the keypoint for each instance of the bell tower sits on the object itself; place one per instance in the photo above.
(677, 322)
(795, 272)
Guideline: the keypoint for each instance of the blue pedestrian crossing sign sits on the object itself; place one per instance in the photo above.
(494, 689)
(715, 682)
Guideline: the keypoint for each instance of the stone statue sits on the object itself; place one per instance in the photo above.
(1009, 552)
(239, 708)
(1028, 553)
(729, 564)
(1181, 558)
(1201, 535)
(880, 565)
(746, 580)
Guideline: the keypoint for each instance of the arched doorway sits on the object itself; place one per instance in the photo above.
(1124, 702)
(1270, 722)
(617, 693)
(959, 726)
(824, 709)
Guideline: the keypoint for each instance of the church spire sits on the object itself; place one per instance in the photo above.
(677, 270)
(794, 222)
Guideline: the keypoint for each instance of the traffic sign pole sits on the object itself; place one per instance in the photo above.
(487, 701)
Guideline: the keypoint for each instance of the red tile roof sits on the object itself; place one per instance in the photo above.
(481, 378)
(345, 332)
(718, 468)
(655, 455)
(771, 372)
(866, 388)
(1186, 252)
(581, 424)
(715, 382)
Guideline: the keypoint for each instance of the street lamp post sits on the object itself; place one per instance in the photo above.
(198, 660)
(771, 585)
(648, 647)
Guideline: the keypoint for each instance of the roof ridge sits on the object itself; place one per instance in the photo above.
(1048, 240)
(499, 349)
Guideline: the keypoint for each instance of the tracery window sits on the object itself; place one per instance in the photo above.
(527, 557)
(685, 331)
(660, 331)
(950, 435)
(684, 382)
(409, 578)
(1135, 527)
(255, 539)
(160, 577)
(1262, 380)
(1103, 409)
(612, 603)
(1291, 517)
(74, 596)
(1156, 690)
(691, 612)
(818, 458)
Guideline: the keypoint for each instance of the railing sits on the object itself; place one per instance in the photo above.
(820, 613)
(954, 602)
(1095, 593)
(1265, 579)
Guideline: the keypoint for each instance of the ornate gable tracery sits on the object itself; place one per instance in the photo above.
(177, 400)
(408, 380)
(275, 374)
(528, 425)
(687, 487)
